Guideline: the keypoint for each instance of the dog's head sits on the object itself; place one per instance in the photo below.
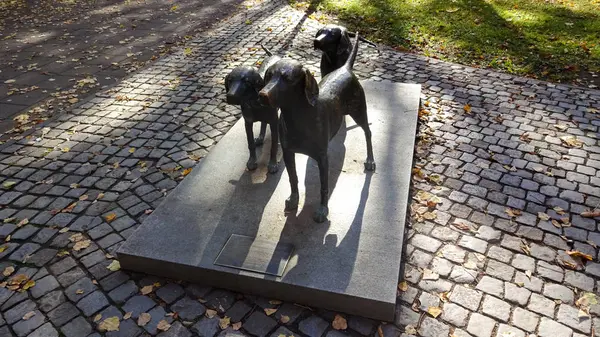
(333, 40)
(243, 84)
(287, 81)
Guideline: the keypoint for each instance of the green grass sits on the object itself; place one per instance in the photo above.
(555, 39)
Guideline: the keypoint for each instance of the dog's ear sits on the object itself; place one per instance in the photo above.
(319, 32)
(311, 88)
(227, 83)
(345, 42)
(258, 83)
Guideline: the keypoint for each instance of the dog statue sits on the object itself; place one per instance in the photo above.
(311, 115)
(243, 85)
(334, 42)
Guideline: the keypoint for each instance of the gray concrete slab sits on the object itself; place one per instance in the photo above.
(350, 263)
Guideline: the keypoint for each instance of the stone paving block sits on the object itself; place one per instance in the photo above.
(500, 270)
(24, 327)
(472, 243)
(46, 330)
(170, 292)
(550, 328)
(496, 308)
(206, 327)
(63, 313)
(569, 316)
(122, 293)
(524, 319)
(138, 304)
(157, 314)
(466, 297)
(549, 271)
(238, 311)
(313, 326)
(516, 294)
(491, 285)
(259, 324)
(77, 327)
(559, 292)
(176, 330)
(541, 305)
(480, 326)
(579, 280)
(431, 327)
(188, 308)
(92, 303)
(44, 286)
(454, 314)
(426, 243)
(506, 330)
(51, 300)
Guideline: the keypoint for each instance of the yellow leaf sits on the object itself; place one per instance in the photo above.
(147, 289)
(110, 217)
(556, 223)
(23, 222)
(248, 22)
(65, 149)
(284, 319)
(8, 271)
(29, 284)
(403, 286)
(109, 324)
(467, 107)
(76, 237)
(270, 311)
(571, 141)
(81, 245)
(410, 330)
(187, 51)
(131, 149)
(543, 216)
(236, 326)
(434, 311)
(74, 185)
(512, 212)
(144, 319)
(127, 315)
(79, 291)
(339, 323)
(210, 313)
(73, 100)
(174, 8)
(83, 197)
(97, 318)
(576, 253)
(186, 171)
(224, 322)
(452, 10)
(114, 266)
(8, 184)
(163, 325)
(64, 230)
(28, 315)
(3, 248)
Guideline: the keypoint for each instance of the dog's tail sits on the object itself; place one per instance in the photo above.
(350, 62)
(266, 50)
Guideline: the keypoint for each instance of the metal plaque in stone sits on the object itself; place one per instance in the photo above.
(256, 255)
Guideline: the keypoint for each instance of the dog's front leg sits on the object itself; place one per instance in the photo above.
(289, 159)
(261, 136)
(322, 212)
(251, 164)
(273, 167)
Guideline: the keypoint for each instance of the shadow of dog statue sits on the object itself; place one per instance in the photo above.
(334, 43)
(311, 115)
(243, 84)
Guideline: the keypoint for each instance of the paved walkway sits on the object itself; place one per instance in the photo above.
(492, 162)
(53, 53)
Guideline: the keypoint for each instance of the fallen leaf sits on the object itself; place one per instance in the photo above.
(339, 323)
(97, 318)
(512, 212)
(8, 271)
(28, 315)
(3, 248)
(8, 184)
(543, 216)
(410, 330)
(127, 315)
(284, 319)
(460, 225)
(110, 217)
(163, 325)
(28, 285)
(556, 223)
(444, 297)
(452, 10)
(109, 324)
(186, 171)
(429, 274)
(147, 289)
(403, 286)
(81, 245)
(23, 222)
(73, 100)
(582, 314)
(143, 319)
(270, 311)
(275, 302)
(224, 322)
(525, 137)
(236, 326)
(528, 273)
(76, 237)
(187, 51)
(83, 197)
(74, 185)
(434, 311)
(561, 127)
(576, 253)
(114, 266)
(380, 331)
(79, 291)
(210, 313)
(131, 149)
(559, 210)
(9, 81)
(591, 214)
(571, 141)
(64, 230)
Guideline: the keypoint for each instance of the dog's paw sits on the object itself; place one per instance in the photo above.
(273, 167)
(291, 203)
(370, 165)
(321, 214)
(259, 141)
(251, 164)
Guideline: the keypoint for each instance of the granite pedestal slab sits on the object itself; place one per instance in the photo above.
(350, 263)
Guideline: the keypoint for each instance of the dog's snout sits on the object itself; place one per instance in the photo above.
(318, 42)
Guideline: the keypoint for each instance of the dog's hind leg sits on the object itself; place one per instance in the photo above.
(251, 163)
(261, 136)
(273, 167)
(289, 158)
(322, 212)
(363, 121)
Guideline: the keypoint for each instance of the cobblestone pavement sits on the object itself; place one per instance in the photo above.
(490, 157)
(54, 52)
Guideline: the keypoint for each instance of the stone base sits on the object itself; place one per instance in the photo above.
(350, 263)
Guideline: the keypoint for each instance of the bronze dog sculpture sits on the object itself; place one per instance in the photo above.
(334, 42)
(311, 115)
(243, 85)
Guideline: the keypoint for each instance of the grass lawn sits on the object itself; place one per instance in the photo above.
(557, 40)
